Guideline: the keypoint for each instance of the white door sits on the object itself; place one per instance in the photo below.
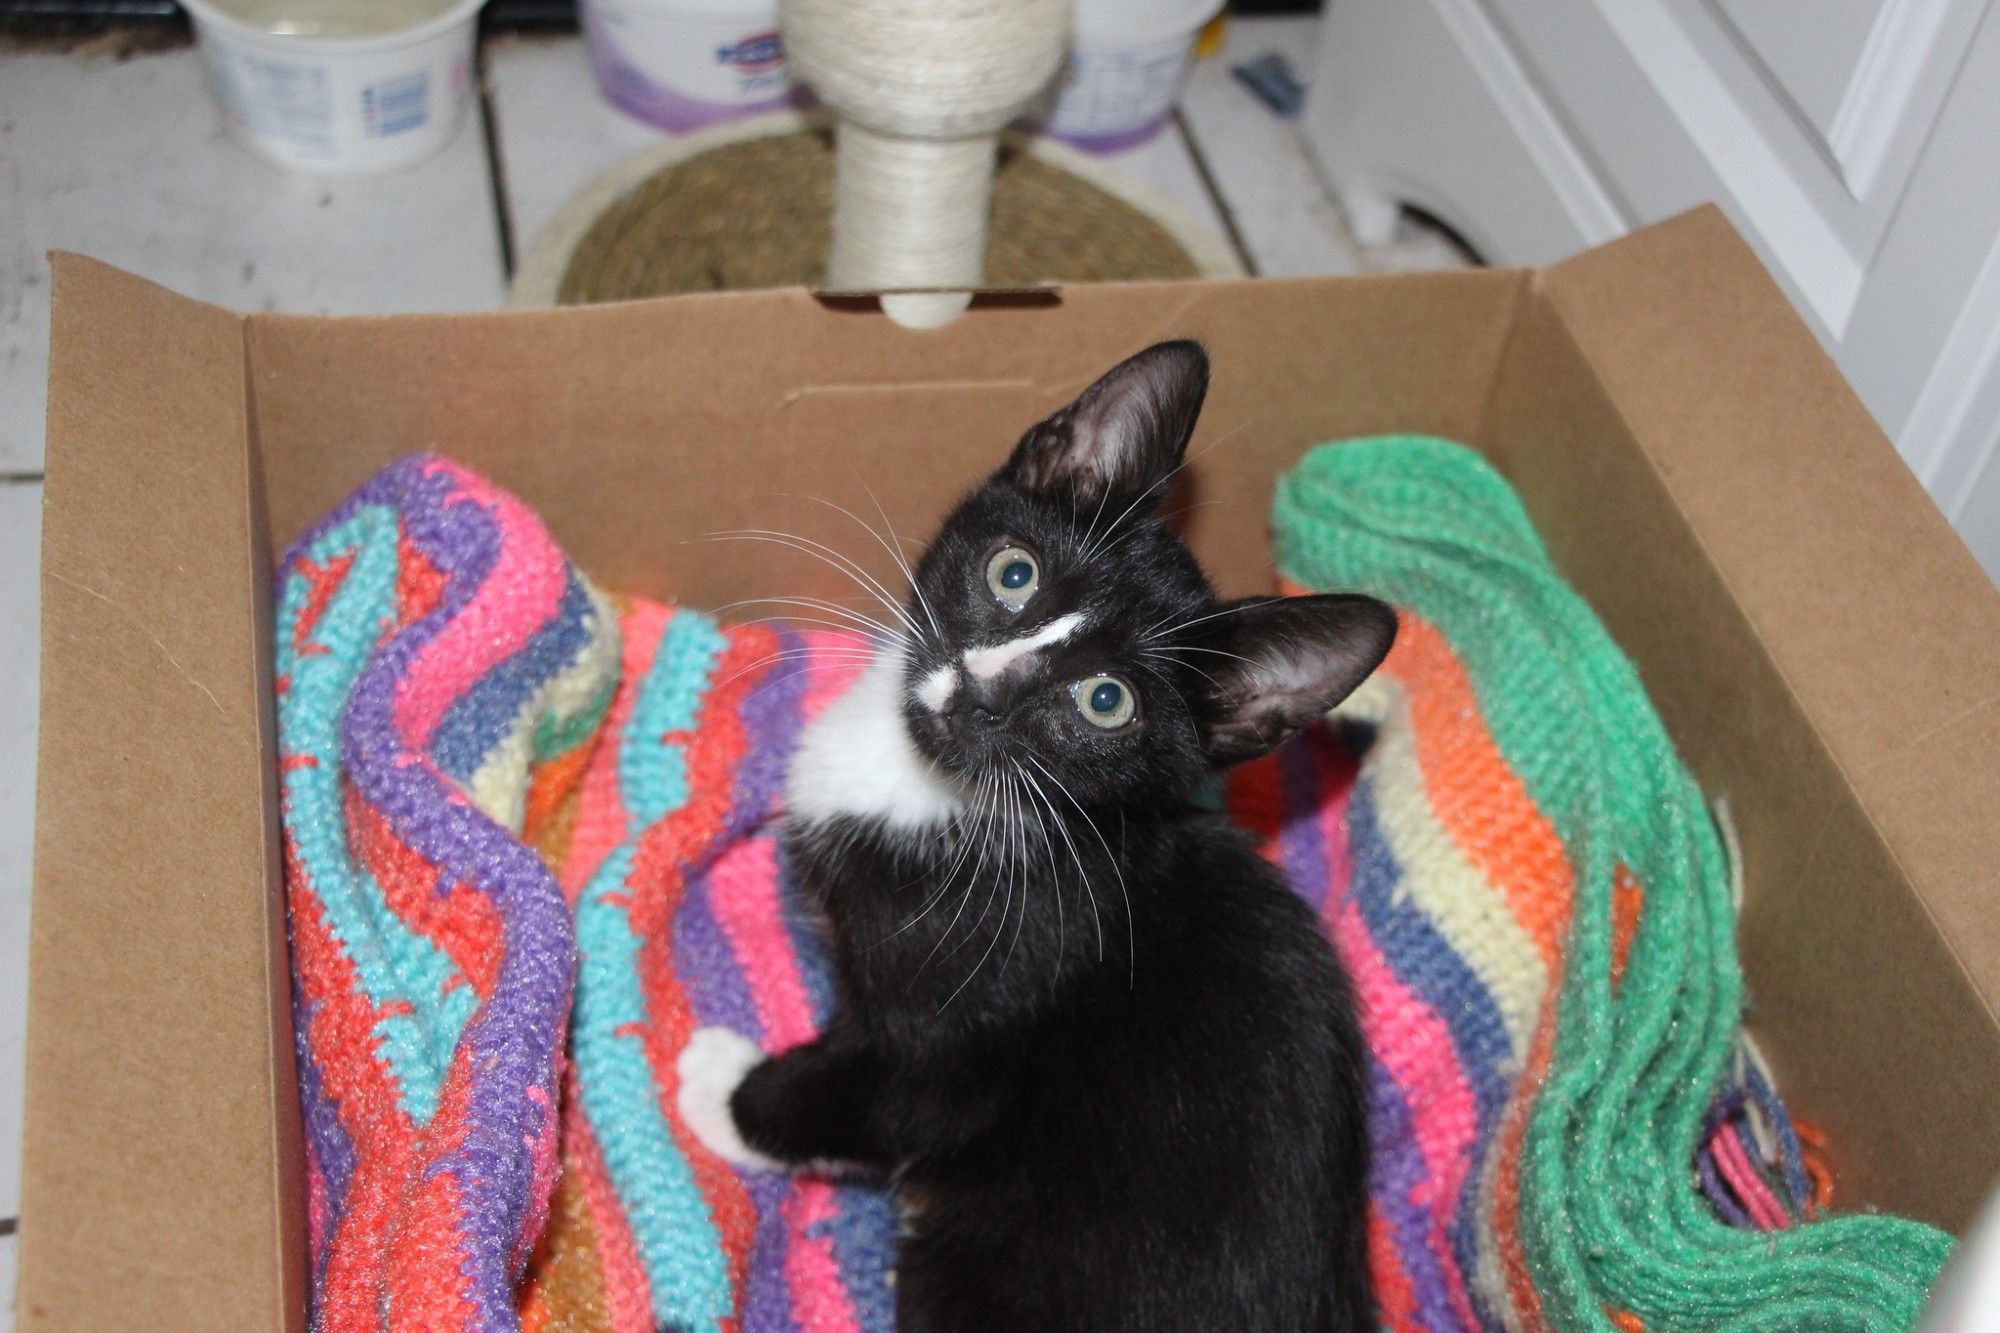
(1855, 142)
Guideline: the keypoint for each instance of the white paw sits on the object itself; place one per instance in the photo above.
(711, 1067)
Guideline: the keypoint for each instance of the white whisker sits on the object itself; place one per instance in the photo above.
(965, 898)
(1091, 824)
(807, 655)
(1016, 867)
(832, 558)
(965, 845)
(896, 550)
(1154, 632)
(1177, 469)
(1190, 648)
(861, 623)
(1082, 872)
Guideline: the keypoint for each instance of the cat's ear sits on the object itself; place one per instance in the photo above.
(1270, 665)
(1124, 435)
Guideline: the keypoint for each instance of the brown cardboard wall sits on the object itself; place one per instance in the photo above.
(1822, 647)
(1895, 1060)
(1812, 632)
(637, 428)
(162, 1158)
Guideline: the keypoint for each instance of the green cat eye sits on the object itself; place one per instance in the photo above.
(1105, 701)
(1013, 574)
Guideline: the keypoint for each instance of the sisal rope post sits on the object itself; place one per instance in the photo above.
(922, 89)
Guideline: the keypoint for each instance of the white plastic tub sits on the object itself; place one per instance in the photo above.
(1128, 60)
(682, 64)
(340, 86)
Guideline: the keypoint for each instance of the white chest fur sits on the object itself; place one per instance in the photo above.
(856, 759)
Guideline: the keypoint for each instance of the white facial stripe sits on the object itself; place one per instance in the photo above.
(935, 690)
(986, 663)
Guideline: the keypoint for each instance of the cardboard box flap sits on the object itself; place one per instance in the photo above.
(1882, 625)
(776, 394)
(162, 1115)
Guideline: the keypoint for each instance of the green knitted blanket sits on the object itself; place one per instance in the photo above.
(1586, 1198)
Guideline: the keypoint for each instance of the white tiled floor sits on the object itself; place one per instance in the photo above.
(1287, 221)
(129, 161)
(20, 601)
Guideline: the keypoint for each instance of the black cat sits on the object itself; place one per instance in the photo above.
(1110, 1062)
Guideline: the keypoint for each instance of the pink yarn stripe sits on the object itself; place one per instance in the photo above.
(744, 897)
(1435, 1089)
(601, 823)
(601, 826)
(1415, 1047)
(1333, 832)
(1365, 963)
(1748, 1185)
(829, 673)
(1440, 1101)
(746, 900)
(819, 1299)
(317, 1205)
(521, 594)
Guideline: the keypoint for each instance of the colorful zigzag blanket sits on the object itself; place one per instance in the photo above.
(530, 848)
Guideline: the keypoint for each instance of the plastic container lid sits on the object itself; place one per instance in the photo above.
(1123, 22)
(748, 11)
(432, 22)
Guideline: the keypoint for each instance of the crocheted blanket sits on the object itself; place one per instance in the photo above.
(530, 848)
(1541, 921)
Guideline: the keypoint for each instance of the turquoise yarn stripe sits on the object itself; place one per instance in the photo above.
(1610, 1215)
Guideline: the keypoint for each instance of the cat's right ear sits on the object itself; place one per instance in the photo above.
(1270, 665)
(1124, 435)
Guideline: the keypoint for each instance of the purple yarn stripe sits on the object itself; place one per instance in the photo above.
(512, 1038)
(1397, 1175)
(707, 967)
(719, 994)
(864, 1229)
(771, 714)
(770, 718)
(767, 1302)
(326, 1138)
(1718, 1193)
(1301, 845)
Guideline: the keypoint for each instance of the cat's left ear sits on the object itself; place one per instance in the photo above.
(1270, 665)
(1124, 435)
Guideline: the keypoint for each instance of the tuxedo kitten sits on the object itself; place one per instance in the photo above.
(1108, 1060)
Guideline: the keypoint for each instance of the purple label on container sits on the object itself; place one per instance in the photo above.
(755, 54)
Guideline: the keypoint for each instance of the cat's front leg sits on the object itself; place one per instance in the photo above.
(815, 1103)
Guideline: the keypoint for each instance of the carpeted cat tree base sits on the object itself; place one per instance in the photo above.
(749, 205)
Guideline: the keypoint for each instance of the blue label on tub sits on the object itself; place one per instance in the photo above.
(395, 105)
(753, 55)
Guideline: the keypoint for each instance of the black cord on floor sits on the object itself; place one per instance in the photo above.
(1215, 194)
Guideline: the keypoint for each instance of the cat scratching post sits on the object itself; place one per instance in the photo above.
(922, 89)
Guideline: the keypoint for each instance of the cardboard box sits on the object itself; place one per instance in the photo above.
(1826, 653)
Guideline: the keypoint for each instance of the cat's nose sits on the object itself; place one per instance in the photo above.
(976, 704)
(973, 712)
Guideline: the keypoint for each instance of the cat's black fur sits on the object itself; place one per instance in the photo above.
(1110, 1060)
